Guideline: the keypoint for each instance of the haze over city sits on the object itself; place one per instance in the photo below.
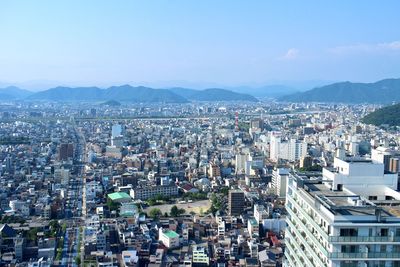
(197, 44)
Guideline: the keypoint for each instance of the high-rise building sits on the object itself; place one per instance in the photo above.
(116, 130)
(279, 181)
(66, 151)
(235, 202)
(240, 162)
(348, 217)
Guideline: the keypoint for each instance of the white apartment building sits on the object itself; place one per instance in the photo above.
(350, 217)
(261, 213)
(253, 227)
(240, 162)
(291, 150)
(199, 256)
(279, 181)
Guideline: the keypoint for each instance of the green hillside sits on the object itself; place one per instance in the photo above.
(387, 115)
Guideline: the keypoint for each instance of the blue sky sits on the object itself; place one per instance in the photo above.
(228, 43)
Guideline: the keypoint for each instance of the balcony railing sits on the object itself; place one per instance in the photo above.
(364, 255)
(360, 239)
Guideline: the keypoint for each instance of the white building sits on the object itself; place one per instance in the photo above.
(152, 191)
(116, 130)
(253, 227)
(382, 155)
(279, 180)
(291, 150)
(19, 207)
(348, 217)
(261, 213)
(200, 256)
(169, 238)
(240, 162)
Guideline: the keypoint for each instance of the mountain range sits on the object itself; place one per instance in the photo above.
(267, 91)
(12, 93)
(124, 93)
(380, 92)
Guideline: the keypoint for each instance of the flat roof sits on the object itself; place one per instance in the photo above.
(118, 195)
(170, 234)
(338, 201)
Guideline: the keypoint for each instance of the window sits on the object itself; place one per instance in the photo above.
(384, 232)
(349, 249)
(397, 232)
(349, 264)
(348, 232)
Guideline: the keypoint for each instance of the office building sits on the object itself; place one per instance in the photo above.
(66, 151)
(235, 202)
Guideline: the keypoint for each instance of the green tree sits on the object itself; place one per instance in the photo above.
(174, 211)
(155, 213)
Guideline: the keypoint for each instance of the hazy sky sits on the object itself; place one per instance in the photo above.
(222, 42)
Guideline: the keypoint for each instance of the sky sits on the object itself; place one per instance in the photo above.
(198, 43)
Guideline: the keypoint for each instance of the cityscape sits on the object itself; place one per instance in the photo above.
(129, 168)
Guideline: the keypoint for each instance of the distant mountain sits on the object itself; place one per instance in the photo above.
(212, 94)
(111, 103)
(381, 92)
(124, 93)
(387, 115)
(140, 94)
(12, 93)
(271, 91)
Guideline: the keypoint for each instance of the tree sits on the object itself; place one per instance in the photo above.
(155, 213)
(78, 260)
(174, 211)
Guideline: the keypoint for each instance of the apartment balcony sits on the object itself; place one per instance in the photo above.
(311, 220)
(365, 255)
(295, 223)
(364, 239)
(304, 246)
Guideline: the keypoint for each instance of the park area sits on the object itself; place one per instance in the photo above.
(195, 206)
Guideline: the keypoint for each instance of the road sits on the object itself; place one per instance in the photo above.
(74, 205)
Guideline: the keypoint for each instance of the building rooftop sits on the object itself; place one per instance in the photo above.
(346, 202)
(118, 195)
(171, 234)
